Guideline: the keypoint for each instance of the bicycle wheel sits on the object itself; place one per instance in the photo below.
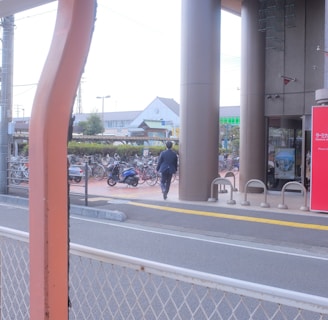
(229, 164)
(141, 175)
(152, 177)
(99, 172)
(16, 177)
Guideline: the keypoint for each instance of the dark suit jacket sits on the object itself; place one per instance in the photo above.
(168, 160)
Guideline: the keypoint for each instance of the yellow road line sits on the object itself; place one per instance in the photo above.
(235, 217)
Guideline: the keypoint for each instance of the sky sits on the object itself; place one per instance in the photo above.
(134, 55)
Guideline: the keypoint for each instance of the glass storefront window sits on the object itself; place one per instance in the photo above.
(284, 156)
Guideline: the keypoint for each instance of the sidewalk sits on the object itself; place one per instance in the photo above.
(294, 201)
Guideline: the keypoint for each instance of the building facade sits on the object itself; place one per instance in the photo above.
(283, 69)
(283, 74)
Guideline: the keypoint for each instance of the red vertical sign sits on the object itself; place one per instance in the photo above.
(319, 159)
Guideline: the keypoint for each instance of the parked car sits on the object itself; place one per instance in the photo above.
(75, 173)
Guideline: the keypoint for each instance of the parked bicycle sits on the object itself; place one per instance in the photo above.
(95, 169)
(146, 171)
(18, 170)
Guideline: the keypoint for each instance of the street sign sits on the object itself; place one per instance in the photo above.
(319, 159)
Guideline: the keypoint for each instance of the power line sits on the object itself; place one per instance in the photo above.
(35, 15)
(25, 85)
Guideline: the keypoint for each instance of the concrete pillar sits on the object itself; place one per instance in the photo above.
(200, 75)
(8, 25)
(326, 45)
(252, 122)
(321, 95)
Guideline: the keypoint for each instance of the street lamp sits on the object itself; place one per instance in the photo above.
(102, 107)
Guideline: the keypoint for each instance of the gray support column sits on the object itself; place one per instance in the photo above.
(6, 97)
(321, 95)
(252, 123)
(200, 74)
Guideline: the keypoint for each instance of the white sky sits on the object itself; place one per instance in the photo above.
(134, 55)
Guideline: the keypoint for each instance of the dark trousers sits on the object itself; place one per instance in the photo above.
(166, 181)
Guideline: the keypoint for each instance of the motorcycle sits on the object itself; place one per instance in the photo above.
(126, 175)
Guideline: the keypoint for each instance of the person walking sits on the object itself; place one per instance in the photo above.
(167, 165)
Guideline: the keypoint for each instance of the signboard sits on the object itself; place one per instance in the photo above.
(319, 159)
(230, 120)
(284, 162)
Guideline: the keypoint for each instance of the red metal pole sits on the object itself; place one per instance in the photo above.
(48, 158)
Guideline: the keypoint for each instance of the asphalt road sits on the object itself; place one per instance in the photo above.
(306, 231)
(282, 250)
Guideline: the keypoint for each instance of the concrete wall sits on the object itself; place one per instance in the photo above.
(297, 58)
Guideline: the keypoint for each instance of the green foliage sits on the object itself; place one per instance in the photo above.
(22, 149)
(125, 151)
(92, 126)
(232, 136)
(81, 127)
(84, 148)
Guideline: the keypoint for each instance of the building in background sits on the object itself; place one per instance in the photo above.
(115, 123)
(165, 114)
(161, 118)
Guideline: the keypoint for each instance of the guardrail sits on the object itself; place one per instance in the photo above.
(18, 176)
(106, 285)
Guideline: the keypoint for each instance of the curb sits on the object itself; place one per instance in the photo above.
(98, 213)
(20, 201)
(74, 209)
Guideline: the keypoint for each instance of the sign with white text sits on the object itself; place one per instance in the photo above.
(319, 159)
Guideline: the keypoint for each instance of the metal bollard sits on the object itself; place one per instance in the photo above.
(256, 184)
(222, 181)
(297, 186)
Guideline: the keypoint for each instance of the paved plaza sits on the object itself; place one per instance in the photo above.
(295, 201)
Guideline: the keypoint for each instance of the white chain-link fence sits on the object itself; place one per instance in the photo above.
(106, 285)
(14, 269)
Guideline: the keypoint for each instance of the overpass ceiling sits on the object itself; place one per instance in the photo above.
(233, 6)
(9, 7)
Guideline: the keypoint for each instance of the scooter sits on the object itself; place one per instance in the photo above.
(128, 175)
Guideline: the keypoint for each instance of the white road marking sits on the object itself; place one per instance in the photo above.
(182, 235)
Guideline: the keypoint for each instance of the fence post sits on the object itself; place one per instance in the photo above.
(86, 182)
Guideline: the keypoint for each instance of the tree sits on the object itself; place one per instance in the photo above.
(229, 139)
(235, 140)
(92, 126)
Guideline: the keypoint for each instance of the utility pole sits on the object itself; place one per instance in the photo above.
(103, 109)
(7, 24)
(79, 109)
